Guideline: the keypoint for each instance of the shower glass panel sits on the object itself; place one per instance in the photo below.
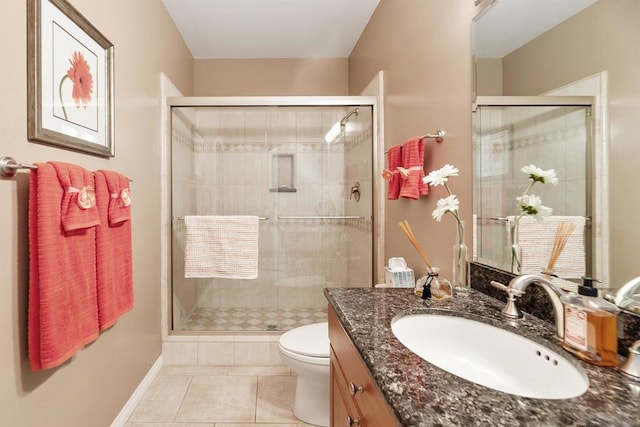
(272, 162)
(506, 138)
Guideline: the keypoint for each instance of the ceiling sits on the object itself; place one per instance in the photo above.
(331, 28)
(271, 28)
(508, 24)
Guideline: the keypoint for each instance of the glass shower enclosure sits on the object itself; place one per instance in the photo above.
(312, 192)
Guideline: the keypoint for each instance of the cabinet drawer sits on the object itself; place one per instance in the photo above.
(343, 409)
(357, 382)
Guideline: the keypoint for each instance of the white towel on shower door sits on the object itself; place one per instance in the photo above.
(221, 246)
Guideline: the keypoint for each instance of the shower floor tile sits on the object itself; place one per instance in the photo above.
(252, 319)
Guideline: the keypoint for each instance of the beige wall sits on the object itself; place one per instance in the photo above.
(488, 76)
(424, 49)
(270, 77)
(94, 386)
(603, 37)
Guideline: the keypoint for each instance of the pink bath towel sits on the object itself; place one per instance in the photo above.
(394, 160)
(113, 247)
(63, 312)
(411, 185)
(79, 200)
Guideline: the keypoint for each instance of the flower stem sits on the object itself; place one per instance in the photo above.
(447, 187)
(64, 111)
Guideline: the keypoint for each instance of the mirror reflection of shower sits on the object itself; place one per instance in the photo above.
(273, 162)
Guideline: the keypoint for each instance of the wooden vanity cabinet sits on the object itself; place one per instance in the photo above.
(355, 399)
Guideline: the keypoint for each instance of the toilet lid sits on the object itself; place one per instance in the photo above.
(309, 340)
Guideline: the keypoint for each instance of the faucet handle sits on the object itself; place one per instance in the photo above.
(507, 289)
(631, 367)
(499, 285)
(511, 310)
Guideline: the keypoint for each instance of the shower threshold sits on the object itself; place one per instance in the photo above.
(252, 319)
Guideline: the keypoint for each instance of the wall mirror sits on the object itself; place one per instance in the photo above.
(558, 125)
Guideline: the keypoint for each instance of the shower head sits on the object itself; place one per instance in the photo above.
(337, 131)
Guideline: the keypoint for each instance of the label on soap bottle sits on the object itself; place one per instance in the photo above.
(575, 327)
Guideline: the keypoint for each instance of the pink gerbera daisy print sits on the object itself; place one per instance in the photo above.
(80, 74)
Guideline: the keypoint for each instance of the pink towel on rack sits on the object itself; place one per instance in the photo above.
(113, 247)
(394, 159)
(411, 185)
(63, 314)
(79, 200)
(119, 197)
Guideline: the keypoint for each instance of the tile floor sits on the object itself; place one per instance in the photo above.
(218, 396)
(253, 319)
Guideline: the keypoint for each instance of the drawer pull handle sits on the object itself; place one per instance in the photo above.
(353, 389)
(352, 421)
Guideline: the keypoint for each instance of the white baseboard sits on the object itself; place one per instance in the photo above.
(135, 398)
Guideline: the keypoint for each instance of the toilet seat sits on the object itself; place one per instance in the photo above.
(309, 342)
(309, 360)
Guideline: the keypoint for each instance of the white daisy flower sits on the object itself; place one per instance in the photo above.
(539, 175)
(532, 205)
(440, 176)
(447, 204)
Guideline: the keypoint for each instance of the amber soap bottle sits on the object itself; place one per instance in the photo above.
(590, 326)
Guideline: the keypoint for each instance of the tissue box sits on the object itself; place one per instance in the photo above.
(399, 278)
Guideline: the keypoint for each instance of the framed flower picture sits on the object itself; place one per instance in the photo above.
(70, 80)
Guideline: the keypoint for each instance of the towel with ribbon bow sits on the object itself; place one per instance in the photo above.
(392, 175)
(411, 186)
(78, 207)
(119, 196)
(114, 257)
(63, 313)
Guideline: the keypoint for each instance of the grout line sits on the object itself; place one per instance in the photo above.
(175, 417)
(255, 408)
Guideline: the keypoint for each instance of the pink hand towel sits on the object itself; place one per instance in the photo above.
(394, 159)
(411, 186)
(63, 313)
(113, 247)
(79, 200)
(119, 197)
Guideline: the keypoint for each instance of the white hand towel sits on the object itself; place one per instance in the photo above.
(221, 246)
(536, 240)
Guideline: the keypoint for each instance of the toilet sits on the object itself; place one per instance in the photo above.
(305, 350)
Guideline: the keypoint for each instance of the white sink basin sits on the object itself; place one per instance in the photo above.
(490, 356)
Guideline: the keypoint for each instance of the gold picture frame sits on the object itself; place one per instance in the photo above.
(70, 91)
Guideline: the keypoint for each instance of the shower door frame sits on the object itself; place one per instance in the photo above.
(377, 216)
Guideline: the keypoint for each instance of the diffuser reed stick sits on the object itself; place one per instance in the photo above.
(406, 229)
(563, 232)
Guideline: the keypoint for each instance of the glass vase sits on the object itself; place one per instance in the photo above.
(461, 283)
(514, 250)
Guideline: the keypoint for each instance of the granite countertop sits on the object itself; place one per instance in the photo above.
(422, 394)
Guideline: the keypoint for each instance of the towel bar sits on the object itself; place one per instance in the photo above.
(438, 136)
(9, 167)
(261, 218)
(320, 217)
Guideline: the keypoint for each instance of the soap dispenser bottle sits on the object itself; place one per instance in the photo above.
(590, 326)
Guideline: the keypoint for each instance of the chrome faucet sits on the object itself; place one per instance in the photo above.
(517, 288)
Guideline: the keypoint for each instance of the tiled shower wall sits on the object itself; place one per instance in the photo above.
(229, 169)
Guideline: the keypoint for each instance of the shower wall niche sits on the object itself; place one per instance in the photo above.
(273, 162)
